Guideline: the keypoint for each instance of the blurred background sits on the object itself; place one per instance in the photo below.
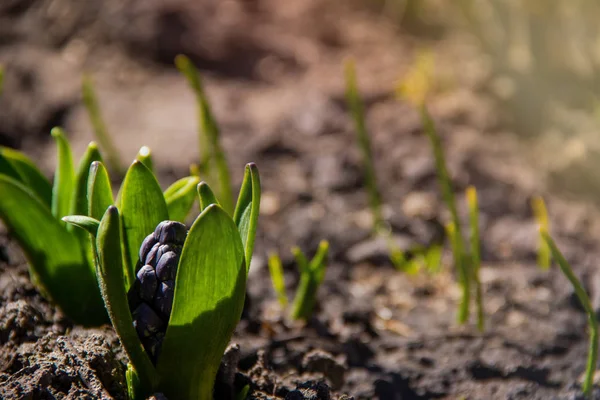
(529, 69)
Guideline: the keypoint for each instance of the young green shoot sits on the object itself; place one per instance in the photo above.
(587, 305)
(311, 276)
(472, 202)
(211, 151)
(356, 107)
(90, 100)
(277, 278)
(458, 248)
(201, 275)
(541, 215)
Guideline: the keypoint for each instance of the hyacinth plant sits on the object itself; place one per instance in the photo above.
(173, 296)
(312, 274)
(61, 257)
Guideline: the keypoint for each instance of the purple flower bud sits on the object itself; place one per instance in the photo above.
(163, 301)
(170, 232)
(147, 245)
(151, 257)
(166, 267)
(148, 282)
(146, 321)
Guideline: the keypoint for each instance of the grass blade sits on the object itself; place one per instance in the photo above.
(587, 305)
(54, 254)
(62, 191)
(142, 206)
(247, 209)
(210, 145)
(110, 267)
(311, 276)
(180, 197)
(476, 254)
(357, 110)
(99, 191)
(17, 165)
(276, 272)
(541, 215)
(458, 248)
(90, 101)
(210, 290)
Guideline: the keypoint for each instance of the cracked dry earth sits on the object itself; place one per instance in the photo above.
(377, 333)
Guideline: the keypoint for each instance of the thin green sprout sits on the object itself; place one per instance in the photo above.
(464, 278)
(541, 215)
(476, 254)
(587, 305)
(276, 271)
(90, 100)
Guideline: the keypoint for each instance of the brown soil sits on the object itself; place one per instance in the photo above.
(274, 74)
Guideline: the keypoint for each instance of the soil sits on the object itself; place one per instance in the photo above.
(273, 71)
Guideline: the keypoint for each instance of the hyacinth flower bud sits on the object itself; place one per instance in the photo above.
(151, 295)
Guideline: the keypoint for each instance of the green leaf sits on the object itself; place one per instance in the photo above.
(247, 209)
(84, 222)
(80, 201)
(276, 271)
(319, 261)
(62, 191)
(301, 260)
(209, 297)
(364, 142)
(541, 216)
(145, 156)
(206, 195)
(26, 172)
(110, 271)
(54, 254)
(565, 267)
(142, 206)
(180, 197)
(91, 105)
(99, 191)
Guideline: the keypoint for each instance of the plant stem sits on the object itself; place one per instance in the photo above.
(587, 305)
(476, 254)
(541, 215)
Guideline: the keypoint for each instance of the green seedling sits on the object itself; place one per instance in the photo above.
(541, 215)
(90, 100)
(276, 271)
(475, 254)
(61, 258)
(312, 274)
(176, 316)
(145, 156)
(357, 110)
(587, 305)
(211, 151)
(453, 229)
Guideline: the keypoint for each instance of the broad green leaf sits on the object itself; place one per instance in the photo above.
(54, 254)
(110, 271)
(102, 136)
(210, 146)
(145, 156)
(84, 222)
(99, 191)
(247, 209)
(180, 197)
(62, 191)
(142, 206)
(206, 195)
(26, 172)
(276, 271)
(209, 297)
